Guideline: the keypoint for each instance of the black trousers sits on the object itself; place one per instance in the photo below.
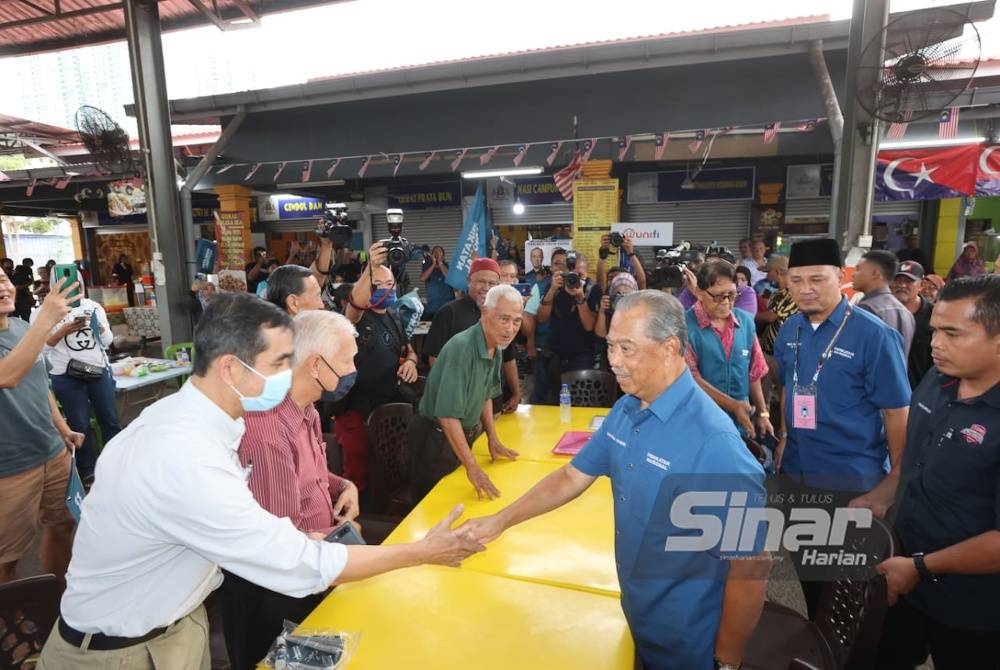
(431, 457)
(252, 617)
(909, 635)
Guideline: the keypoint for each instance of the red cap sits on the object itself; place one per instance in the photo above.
(484, 264)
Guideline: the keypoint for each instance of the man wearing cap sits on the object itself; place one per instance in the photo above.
(872, 276)
(462, 313)
(906, 287)
(845, 395)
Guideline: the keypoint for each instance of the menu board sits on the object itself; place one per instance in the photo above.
(595, 208)
(230, 231)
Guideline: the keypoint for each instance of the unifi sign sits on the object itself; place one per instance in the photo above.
(646, 234)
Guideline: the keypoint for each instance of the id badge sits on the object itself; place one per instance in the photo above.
(804, 407)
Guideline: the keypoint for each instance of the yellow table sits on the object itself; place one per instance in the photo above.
(533, 430)
(572, 546)
(452, 619)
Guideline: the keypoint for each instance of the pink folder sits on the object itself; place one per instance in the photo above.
(571, 442)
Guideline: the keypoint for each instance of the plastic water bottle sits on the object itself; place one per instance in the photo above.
(565, 403)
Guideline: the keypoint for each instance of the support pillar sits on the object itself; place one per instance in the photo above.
(235, 198)
(142, 26)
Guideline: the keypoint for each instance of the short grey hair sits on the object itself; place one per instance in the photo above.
(666, 315)
(316, 333)
(501, 292)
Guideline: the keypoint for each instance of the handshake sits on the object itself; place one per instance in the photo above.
(444, 545)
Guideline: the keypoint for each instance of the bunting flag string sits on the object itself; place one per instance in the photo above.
(948, 123)
(897, 129)
(459, 155)
(771, 131)
(397, 160)
(588, 148)
(31, 187)
(488, 156)
(522, 151)
(427, 160)
(623, 144)
(252, 172)
(4, 177)
(225, 168)
(553, 153)
(660, 145)
(365, 162)
(281, 168)
(699, 137)
(61, 184)
(307, 171)
(332, 168)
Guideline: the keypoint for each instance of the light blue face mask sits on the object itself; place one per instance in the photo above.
(275, 389)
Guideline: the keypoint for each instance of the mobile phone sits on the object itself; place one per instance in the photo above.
(524, 289)
(345, 534)
(69, 273)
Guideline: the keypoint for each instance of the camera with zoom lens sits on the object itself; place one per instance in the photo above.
(571, 279)
(616, 239)
(670, 264)
(398, 247)
(335, 226)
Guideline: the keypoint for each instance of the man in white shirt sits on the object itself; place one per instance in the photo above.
(170, 506)
(755, 262)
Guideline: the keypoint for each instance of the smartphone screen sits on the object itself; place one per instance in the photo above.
(523, 289)
(69, 274)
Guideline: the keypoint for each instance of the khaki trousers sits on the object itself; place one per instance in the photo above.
(183, 646)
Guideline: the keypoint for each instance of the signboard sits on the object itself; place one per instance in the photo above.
(714, 184)
(546, 247)
(595, 208)
(538, 191)
(126, 197)
(646, 234)
(286, 207)
(231, 235)
(426, 196)
(808, 181)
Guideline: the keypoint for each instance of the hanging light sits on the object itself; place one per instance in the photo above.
(518, 206)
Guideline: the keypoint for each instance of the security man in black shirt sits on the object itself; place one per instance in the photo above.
(945, 582)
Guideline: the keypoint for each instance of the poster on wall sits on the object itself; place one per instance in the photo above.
(595, 208)
(232, 281)
(766, 219)
(545, 248)
(126, 197)
(230, 231)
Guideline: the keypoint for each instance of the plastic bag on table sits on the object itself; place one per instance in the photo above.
(310, 649)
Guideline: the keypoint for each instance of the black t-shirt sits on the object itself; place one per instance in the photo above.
(567, 337)
(252, 283)
(949, 491)
(451, 319)
(380, 343)
(122, 272)
(920, 360)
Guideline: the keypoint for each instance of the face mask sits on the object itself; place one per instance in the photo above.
(344, 384)
(383, 298)
(275, 389)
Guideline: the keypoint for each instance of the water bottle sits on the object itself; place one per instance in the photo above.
(152, 299)
(565, 403)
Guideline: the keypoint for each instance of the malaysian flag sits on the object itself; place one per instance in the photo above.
(897, 129)
(771, 131)
(459, 155)
(4, 177)
(281, 168)
(660, 145)
(699, 137)
(31, 188)
(623, 144)
(488, 156)
(556, 146)
(333, 167)
(588, 148)
(365, 162)
(427, 160)
(307, 171)
(224, 168)
(253, 171)
(522, 151)
(63, 182)
(948, 123)
(397, 160)
(806, 126)
(564, 178)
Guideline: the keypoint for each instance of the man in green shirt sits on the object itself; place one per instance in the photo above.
(457, 397)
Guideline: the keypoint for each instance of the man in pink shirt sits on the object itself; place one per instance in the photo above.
(285, 455)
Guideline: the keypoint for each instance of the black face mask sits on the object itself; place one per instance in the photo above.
(344, 384)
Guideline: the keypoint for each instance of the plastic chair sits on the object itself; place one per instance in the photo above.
(591, 388)
(28, 610)
(848, 626)
(388, 430)
(170, 353)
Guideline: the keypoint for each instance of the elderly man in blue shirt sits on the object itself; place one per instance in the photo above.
(664, 445)
(845, 396)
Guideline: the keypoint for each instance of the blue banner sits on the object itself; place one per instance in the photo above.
(426, 196)
(538, 191)
(300, 207)
(714, 184)
(206, 252)
(473, 239)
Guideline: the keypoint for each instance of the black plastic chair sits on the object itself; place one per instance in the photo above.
(28, 610)
(388, 430)
(591, 388)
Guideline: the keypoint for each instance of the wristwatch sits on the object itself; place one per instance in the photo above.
(925, 574)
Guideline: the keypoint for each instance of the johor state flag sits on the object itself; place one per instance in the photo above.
(927, 174)
(475, 233)
(988, 172)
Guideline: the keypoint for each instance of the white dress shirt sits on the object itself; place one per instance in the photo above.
(756, 274)
(169, 506)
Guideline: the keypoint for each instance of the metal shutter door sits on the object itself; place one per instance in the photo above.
(908, 208)
(431, 227)
(534, 215)
(724, 221)
(813, 208)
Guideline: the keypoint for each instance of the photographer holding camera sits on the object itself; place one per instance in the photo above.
(627, 261)
(570, 300)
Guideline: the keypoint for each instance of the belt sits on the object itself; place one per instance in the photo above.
(101, 642)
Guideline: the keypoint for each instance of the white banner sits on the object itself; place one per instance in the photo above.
(646, 234)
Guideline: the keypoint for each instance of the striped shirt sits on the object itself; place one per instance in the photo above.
(289, 476)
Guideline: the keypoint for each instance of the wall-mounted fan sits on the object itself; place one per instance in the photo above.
(930, 59)
(106, 141)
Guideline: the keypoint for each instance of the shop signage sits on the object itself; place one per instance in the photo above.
(538, 191)
(714, 184)
(286, 207)
(231, 235)
(426, 196)
(595, 208)
(646, 234)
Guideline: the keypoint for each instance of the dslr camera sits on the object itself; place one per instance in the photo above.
(570, 278)
(335, 226)
(398, 247)
(670, 264)
(616, 239)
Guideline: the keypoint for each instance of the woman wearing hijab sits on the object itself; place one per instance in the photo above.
(968, 264)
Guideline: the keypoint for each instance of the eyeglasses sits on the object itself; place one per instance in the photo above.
(722, 297)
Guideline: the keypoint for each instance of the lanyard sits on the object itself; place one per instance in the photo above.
(826, 352)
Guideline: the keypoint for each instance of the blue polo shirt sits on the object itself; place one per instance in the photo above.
(866, 373)
(681, 443)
